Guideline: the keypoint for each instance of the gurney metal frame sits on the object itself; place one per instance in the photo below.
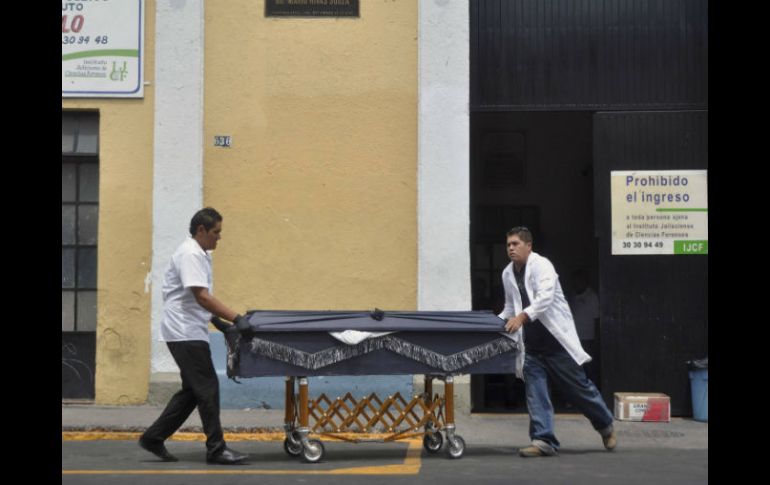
(297, 345)
(424, 415)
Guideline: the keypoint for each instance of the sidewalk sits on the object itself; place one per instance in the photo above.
(573, 430)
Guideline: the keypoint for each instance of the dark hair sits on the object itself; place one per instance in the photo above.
(208, 217)
(521, 231)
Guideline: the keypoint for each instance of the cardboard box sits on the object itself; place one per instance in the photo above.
(642, 406)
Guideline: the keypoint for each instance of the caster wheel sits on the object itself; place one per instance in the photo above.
(291, 447)
(456, 447)
(313, 451)
(432, 442)
(292, 444)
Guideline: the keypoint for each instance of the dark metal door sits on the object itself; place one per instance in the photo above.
(654, 308)
(80, 221)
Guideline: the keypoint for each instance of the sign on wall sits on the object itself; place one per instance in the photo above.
(102, 48)
(659, 212)
(311, 8)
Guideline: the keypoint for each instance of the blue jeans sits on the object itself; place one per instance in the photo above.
(568, 377)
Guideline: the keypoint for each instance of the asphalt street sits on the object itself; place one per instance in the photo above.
(99, 447)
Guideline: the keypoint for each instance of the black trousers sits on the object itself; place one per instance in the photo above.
(200, 387)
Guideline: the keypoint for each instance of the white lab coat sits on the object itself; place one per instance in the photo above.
(547, 304)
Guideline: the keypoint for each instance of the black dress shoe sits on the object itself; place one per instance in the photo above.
(158, 449)
(226, 457)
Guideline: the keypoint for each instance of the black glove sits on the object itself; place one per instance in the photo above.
(219, 324)
(243, 326)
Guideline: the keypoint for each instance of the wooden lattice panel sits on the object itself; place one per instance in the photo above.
(371, 414)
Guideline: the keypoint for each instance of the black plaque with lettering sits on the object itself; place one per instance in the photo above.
(311, 8)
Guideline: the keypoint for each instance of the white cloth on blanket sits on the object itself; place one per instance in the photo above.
(353, 337)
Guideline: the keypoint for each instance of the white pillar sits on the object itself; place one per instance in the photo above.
(443, 157)
(178, 155)
(443, 166)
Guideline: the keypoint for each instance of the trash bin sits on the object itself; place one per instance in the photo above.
(699, 384)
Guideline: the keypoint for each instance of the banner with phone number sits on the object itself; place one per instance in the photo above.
(659, 212)
(102, 48)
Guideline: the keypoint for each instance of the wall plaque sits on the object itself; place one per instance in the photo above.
(311, 8)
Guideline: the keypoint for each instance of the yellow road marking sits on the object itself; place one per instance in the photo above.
(185, 436)
(131, 435)
(410, 466)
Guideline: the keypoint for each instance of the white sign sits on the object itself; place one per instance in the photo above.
(659, 212)
(102, 48)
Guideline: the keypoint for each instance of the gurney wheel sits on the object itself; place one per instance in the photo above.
(432, 442)
(313, 451)
(456, 447)
(291, 447)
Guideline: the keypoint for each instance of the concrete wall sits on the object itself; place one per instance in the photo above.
(125, 237)
(319, 189)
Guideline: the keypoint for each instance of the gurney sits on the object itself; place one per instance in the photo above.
(439, 345)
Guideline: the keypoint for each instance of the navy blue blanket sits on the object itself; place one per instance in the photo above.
(374, 321)
(297, 343)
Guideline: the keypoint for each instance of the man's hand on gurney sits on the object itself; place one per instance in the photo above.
(243, 326)
(240, 324)
(514, 323)
(220, 324)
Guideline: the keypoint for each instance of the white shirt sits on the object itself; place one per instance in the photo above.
(183, 317)
(547, 304)
(585, 309)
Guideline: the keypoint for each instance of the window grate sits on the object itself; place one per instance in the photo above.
(80, 209)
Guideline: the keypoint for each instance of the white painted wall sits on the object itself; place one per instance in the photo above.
(178, 155)
(443, 163)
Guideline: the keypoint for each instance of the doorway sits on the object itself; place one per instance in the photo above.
(79, 234)
(532, 169)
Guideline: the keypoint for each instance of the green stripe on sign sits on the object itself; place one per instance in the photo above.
(681, 210)
(101, 53)
(691, 247)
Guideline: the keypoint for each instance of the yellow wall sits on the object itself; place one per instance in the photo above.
(318, 191)
(125, 236)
